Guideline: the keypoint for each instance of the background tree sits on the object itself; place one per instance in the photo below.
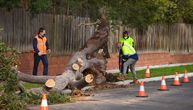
(135, 13)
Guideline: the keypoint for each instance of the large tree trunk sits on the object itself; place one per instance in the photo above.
(90, 60)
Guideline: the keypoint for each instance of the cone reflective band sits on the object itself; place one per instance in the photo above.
(176, 81)
(185, 79)
(44, 104)
(163, 86)
(141, 92)
(147, 72)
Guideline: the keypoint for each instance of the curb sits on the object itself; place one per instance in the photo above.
(155, 66)
(126, 82)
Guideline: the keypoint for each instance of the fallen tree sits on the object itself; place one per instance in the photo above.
(85, 66)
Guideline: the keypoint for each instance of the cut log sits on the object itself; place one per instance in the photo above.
(89, 78)
(50, 83)
(82, 82)
(89, 60)
(75, 67)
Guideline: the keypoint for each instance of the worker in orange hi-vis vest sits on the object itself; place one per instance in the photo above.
(41, 47)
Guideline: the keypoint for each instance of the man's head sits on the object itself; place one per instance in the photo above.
(42, 31)
(125, 34)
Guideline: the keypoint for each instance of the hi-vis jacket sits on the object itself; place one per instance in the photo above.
(40, 44)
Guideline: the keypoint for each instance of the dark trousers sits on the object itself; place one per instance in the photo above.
(121, 61)
(44, 60)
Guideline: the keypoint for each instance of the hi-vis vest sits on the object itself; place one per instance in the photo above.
(128, 40)
(41, 44)
(127, 49)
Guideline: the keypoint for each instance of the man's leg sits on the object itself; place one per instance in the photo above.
(132, 68)
(127, 64)
(36, 63)
(45, 63)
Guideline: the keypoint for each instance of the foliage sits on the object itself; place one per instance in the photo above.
(55, 98)
(52, 98)
(18, 102)
(136, 13)
(9, 4)
(8, 58)
(11, 102)
(8, 80)
(38, 6)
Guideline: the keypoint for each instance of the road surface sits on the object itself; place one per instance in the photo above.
(177, 98)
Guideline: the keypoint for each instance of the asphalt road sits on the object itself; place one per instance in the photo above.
(177, 98)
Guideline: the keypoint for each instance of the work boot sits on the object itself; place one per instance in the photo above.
(121, 77)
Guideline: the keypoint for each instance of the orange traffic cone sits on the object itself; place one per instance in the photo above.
(176, 81)
(44, 104)
(147, 72)
(185, 79)
(141, 92)
(163, 86)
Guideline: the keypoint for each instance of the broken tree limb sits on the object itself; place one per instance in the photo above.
(82, 63)
(33, 79)
(82, 82)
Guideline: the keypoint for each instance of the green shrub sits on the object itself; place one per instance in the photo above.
(11, 102)
(55, 97)
(52, 98)
(9, 82)
(8, 58)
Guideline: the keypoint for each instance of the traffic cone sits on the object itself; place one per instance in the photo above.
(163, 86)
(147, 72)
(44, 104)
(185, 79)
(141, 92)
(176, 81)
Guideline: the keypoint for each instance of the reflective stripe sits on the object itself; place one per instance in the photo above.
(176, 78)
(141, 88)
(40, 44)
(163, 82)
(44, 103)
(185, 76)
(42, 51)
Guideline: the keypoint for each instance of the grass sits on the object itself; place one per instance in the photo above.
(26, 85)
(162, 71)
(140, 74)
(31, 85)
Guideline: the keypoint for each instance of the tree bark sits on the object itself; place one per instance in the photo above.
(88, 59)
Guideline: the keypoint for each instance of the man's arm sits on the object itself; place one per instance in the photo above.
(47, 45)
(47, 48)
(35, 45)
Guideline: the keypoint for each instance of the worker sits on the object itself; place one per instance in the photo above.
(129, 57)
(126, 37)
(41, 48)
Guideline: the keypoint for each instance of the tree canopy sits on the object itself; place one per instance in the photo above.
(136, 13)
